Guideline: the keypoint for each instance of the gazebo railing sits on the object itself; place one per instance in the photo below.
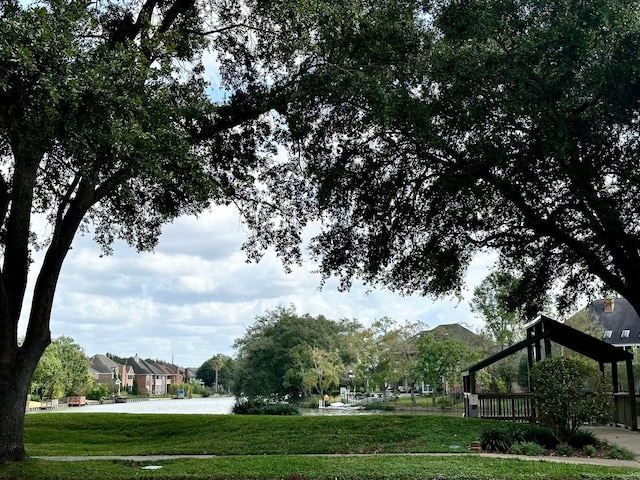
(517, 407)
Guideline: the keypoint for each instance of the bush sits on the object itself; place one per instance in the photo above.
(263, 406)
(619, 453)
(98, 393)
(589, 450)
(581, 438)
(562, 402)
(379, 406)
(526, 448)
(502, 438)
(205, 392)
(540, 435)
(186, 387)
(565, 450)
(497, 440)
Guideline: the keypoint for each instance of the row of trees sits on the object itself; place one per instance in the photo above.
(287, 353)
(299, 355)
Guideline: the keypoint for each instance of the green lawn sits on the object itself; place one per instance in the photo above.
(110, 434)
(270, 448)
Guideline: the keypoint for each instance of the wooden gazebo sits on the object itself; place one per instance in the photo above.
(540, 333)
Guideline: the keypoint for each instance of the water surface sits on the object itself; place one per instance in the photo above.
(207, 406)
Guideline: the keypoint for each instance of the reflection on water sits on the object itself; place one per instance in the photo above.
(208, 406)
(204, 406)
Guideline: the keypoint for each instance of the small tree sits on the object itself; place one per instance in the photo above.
(569, 391)
(492, 303)
(135, 388)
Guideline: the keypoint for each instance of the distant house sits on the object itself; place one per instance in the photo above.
(459, 332)
(150, 381)
(619, 320)
(154, 378)
(190, 374)
(106, 371)
(453, 331)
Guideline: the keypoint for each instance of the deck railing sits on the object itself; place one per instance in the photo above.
(517, 407)
(520, 408)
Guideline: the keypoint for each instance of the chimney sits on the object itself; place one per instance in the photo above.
(608, 305)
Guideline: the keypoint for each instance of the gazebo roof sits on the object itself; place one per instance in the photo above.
(544, 327)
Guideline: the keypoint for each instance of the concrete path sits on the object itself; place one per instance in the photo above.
(619, 436)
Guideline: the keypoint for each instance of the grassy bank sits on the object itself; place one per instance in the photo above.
(112, 434)
(259, 447)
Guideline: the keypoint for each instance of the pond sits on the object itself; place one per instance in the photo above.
(205, 406)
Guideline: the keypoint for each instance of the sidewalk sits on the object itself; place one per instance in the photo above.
(620, 436)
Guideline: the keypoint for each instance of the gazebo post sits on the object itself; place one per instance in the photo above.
(530, 362)
(547, 348)
(632, 396)
(614, 377)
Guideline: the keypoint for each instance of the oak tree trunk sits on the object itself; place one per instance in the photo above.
(15, 382)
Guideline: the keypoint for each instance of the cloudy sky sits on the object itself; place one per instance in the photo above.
(195, 294)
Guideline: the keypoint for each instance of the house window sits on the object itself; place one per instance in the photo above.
(625, 334)
(607, 334)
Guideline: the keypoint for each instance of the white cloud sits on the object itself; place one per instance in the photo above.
(196, 294)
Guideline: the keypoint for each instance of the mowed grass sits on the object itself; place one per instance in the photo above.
(270, 448)
(115, 434)
(277, 467)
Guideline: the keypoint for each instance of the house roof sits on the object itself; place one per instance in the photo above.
(140, 367)
(622, 318)
(149, 367)
(460, 333)
(564, 335)
(103, 364)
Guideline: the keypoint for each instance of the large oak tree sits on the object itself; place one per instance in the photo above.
(511, 126)
(107, 126)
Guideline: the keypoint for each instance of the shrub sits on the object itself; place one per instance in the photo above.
(517, 434)
(565, 450)
(206, 392)
(582, 438)
(187, 388)
(619, 453)
(97, 393)
(562, 402)
(379, 406)
(263, 406)
(589, 450)
(497, 440)
(502, 438)
(540, 435)
(526, 448)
